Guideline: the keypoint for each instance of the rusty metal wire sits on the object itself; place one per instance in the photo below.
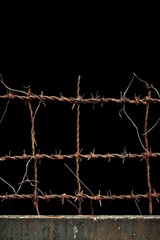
(33, 143)
(80, 100)
(79, 196)
(89, 156)
(78, 145)
(147, 155)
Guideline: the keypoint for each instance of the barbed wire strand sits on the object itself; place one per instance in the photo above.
(101, 100)
(82, 196)
(88, 157)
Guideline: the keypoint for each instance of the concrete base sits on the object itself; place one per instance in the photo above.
(81, 227)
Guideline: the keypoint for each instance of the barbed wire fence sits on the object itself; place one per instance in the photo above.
(29, 97)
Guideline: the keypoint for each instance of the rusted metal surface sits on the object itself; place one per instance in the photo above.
(16, 227)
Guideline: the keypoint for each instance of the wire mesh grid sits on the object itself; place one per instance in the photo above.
(82, 191)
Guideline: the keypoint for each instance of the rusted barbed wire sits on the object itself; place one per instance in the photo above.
(79, 196)
(136, 100)
(97, 197)
(89, 156)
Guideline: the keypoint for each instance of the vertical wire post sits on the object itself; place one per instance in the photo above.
(78, 144)
(33, 142)
(147, 156)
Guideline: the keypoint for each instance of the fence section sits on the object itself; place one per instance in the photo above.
(77, 103)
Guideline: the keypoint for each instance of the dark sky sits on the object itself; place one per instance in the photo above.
(51, 45)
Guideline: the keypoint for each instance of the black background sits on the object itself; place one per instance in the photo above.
(47, 48)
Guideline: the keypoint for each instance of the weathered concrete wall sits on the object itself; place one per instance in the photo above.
(79, 227)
